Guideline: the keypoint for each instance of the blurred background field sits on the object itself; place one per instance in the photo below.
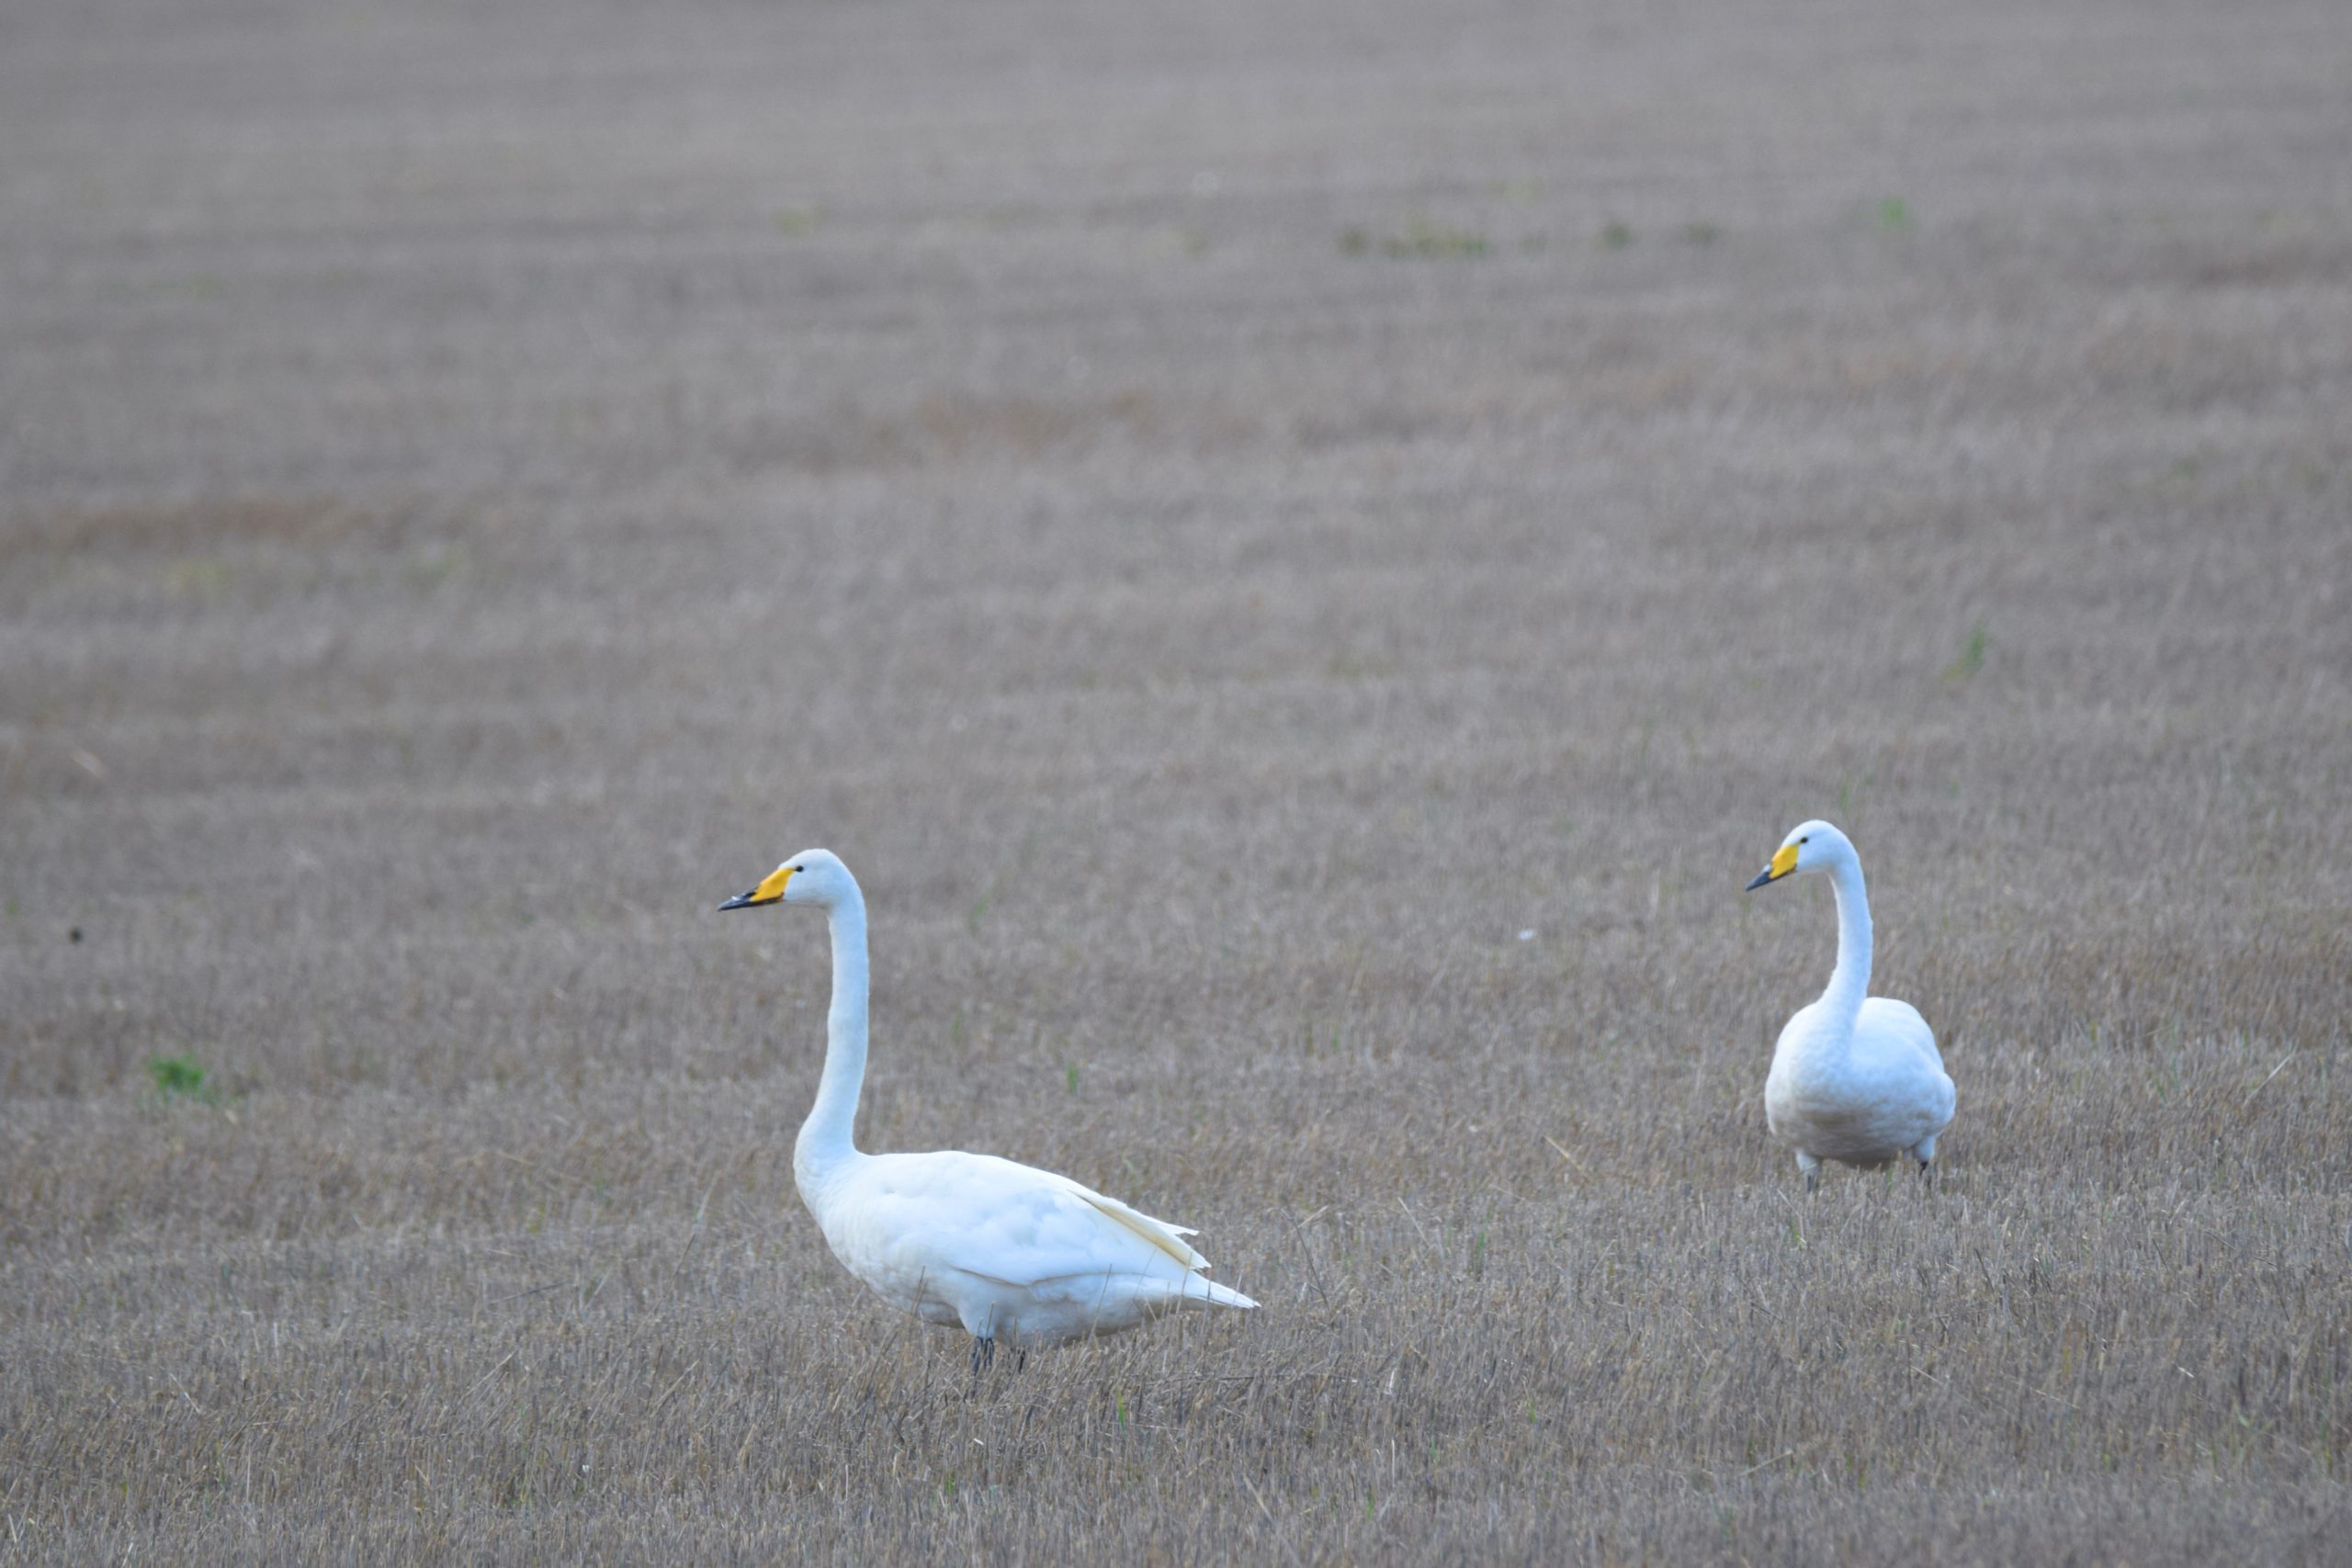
(1303, 554)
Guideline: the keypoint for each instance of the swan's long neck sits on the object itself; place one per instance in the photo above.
(825, 1144)
(1850, 981)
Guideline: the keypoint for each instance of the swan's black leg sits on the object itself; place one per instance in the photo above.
(1020, 1357)
(983, 1354)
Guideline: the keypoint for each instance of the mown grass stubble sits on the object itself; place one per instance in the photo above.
(439, 567)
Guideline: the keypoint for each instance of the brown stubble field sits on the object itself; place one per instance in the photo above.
(1226, 516)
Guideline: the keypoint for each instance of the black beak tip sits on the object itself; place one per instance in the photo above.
(1761, 878)
(741, 902)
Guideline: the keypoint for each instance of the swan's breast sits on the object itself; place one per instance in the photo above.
(1851, 1131)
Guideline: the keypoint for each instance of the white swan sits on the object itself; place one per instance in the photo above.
(1855, 1077)
(1008, 1251)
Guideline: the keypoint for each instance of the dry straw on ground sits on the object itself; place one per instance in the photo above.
(1227, 518)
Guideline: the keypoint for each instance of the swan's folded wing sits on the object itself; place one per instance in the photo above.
(1884, 1019)
(1158, 1234)
(1902, 1039)
(1014, 1223)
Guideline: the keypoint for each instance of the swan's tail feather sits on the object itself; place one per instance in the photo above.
(1199, 1289)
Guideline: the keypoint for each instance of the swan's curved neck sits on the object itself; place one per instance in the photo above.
(825, 1137)
(1849, 982)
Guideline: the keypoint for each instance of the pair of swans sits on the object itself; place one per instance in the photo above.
(1009, 1252)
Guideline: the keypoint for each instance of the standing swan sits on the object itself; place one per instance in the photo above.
(1009, 1251)
(1855, 1077)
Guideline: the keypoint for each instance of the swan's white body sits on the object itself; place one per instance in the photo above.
(1855, 1078)
(1007, 1252)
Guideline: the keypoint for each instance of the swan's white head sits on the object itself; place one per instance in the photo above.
(812, 876)
(1810, 846)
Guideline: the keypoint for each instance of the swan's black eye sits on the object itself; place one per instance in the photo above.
(1805, 841)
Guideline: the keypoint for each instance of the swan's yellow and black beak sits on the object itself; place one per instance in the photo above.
(767, 892)
(1785, 860)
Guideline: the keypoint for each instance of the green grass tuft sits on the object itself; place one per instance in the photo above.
(1421, 238)
(1972, 656)
(182, 1078)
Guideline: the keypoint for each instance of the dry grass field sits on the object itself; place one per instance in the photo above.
(1303, 554)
